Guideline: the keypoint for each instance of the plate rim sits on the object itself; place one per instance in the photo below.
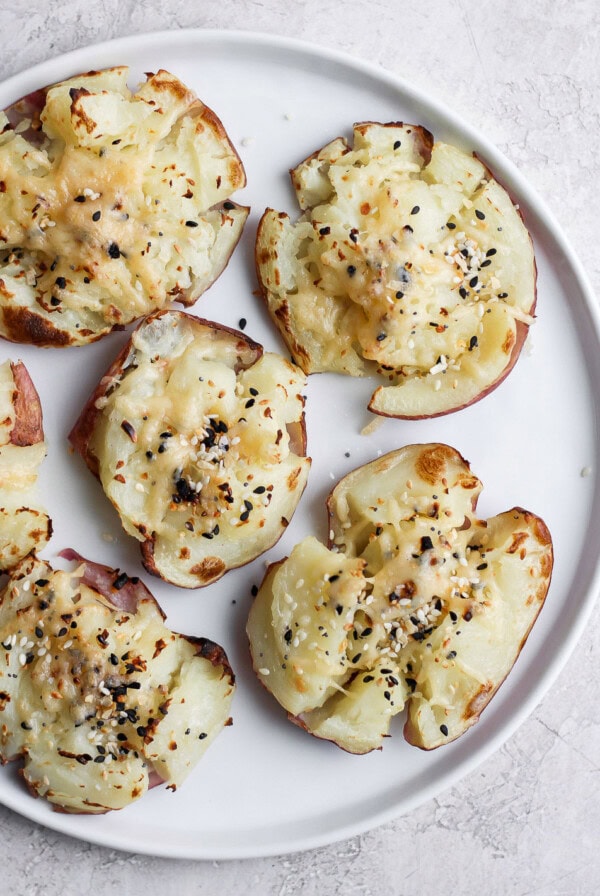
(33, 76)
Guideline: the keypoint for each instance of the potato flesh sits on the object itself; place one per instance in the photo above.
(118, 212)
(24, 524)
(194, 454)
(442, 613)
(372, 281)
(102, 687)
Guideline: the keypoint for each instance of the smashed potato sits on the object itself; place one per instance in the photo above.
(414, 602)
(409, 263)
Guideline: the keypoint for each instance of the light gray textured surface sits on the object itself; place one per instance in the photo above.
(528, 822)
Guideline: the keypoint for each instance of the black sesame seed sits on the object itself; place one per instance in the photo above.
(444, 730)
(97, 215)
(39, 633)
(490, 252)
(474, 281)
(502, 295)
(249, 403)
(113, 250)
(411, 682)
(354, 235)
(450, 225)
(479, 214)
(486, 263)
(242, 323)
(368, 678)
(397, 144)
(415, 210)
(473, 343)
(120, 581)
(259, 490)
(254, 590)
(54, 301)
(228, 205)
(324, 230)
(351, 269)
(426, 543)
(399, 295)
(191, 223)
(463, 292)
(202, 735)
(61, 282)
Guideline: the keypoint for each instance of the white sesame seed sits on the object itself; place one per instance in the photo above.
(265, 671)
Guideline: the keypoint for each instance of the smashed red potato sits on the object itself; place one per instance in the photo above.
(409, 264)
(100, 700)
(198, 439)
(113, 204)
(415, 602)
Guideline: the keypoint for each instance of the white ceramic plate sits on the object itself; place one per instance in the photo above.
(265, 787)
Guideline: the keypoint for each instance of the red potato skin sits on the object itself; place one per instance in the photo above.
(28, 428)
(29, 107)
